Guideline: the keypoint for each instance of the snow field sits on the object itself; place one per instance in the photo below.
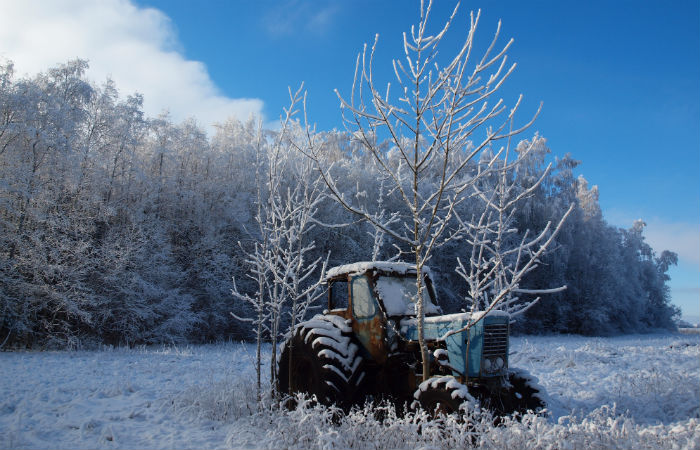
(652, 378)
(638, 392)
(165, 397)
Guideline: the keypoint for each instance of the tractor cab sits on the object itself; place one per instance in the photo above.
(366, 288)
(376, 296)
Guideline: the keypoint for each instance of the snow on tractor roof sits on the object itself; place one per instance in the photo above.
(381, 266)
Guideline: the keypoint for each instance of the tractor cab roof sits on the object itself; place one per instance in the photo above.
(384, 267)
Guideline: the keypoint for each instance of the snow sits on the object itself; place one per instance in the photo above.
(440, 353)
(329, 342)
(460, 390)
(397, 294)
(465, 316)
(327, 330)
(449, 321)
(640, 391)
(117, 398)
(656, 378)
(332, 324)
(400, 268)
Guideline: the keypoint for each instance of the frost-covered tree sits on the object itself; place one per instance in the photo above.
(288, 195)
(500, 254)
(122, 229)
(43, 116)
(438, 119)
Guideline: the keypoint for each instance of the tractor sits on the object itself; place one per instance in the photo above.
(365, 346)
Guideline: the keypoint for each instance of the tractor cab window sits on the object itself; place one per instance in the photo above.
(399, 296)
(363, 303)
(338, 292)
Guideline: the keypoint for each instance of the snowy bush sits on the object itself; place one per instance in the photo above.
(222, 400)
(313, 426)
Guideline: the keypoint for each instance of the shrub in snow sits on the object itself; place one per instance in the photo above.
(312, 426)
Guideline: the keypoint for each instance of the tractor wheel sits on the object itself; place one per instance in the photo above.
(525, 392)
(442, 395)
(324, 361)
(519, 394)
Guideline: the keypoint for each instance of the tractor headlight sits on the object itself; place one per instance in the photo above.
(498, 362)
(493, 364)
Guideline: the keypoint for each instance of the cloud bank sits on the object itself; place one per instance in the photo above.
(137, 47)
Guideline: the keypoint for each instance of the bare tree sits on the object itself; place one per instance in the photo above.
(257, 260)
(280, 265)
(501, 255)
(432, 125)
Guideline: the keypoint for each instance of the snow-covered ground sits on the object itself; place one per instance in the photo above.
(639, 391)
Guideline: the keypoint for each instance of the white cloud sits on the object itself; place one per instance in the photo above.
(137, 47)
(291, 16)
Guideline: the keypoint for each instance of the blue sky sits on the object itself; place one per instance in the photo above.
(620, 80)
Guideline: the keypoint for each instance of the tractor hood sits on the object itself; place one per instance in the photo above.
(458, 344)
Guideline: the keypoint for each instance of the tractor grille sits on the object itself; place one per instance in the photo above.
(495, 340)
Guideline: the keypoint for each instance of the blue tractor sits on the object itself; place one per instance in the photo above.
(365, 345)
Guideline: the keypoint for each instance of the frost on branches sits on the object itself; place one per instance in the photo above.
(122, 229)
(439, 125)
(279, 259)
(500, 255)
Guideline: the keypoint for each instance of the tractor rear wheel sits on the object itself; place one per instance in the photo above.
(320, 359)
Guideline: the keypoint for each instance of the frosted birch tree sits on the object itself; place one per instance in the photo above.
(384, 217)
(438, 118)
(500, 254)
(257, 260)
(288, 195)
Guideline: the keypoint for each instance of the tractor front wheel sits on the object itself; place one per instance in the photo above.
(526, 395)
(440, 396)
(519, 393)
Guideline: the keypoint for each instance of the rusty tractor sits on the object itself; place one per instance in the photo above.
(365, 345)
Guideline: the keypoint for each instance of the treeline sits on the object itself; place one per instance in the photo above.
(118, 228)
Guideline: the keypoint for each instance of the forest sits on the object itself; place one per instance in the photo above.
(122, 229)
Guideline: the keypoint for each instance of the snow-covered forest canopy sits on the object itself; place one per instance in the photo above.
(119, 228)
